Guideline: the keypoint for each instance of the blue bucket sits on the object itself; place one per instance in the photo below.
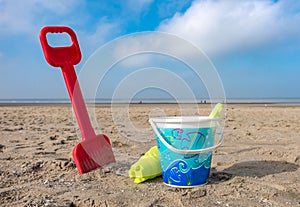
(185, 145)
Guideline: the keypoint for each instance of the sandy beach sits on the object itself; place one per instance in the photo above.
(257, 165)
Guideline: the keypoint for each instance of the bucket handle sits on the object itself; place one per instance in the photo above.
(179, 151)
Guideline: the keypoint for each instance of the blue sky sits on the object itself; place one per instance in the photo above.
(254, 45)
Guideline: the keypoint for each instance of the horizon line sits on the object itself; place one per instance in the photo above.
(288, 100)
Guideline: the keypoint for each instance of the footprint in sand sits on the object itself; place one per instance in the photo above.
(2, 147)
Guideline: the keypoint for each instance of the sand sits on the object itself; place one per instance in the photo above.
(257, 165)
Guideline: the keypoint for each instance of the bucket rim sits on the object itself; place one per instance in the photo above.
(180, 151)
(182, 119)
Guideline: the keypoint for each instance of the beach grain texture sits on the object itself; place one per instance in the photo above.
(257, 165)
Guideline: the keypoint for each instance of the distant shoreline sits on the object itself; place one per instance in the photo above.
(33, 102)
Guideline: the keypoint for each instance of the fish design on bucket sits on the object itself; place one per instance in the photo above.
(189, 140)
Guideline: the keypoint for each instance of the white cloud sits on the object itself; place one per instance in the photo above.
(138, 49)
(150, 48)
(109, 27)
(168, 8)
(104, 30)
(138, 6)
(225, 26)
(17, 16)
(156, 42)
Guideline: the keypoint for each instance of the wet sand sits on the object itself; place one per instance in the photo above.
(257, 165)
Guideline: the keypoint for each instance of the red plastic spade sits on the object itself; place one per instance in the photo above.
(94, 150)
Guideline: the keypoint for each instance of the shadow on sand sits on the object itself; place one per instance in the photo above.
(252, 169)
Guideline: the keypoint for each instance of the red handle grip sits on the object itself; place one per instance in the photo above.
(60, 56)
